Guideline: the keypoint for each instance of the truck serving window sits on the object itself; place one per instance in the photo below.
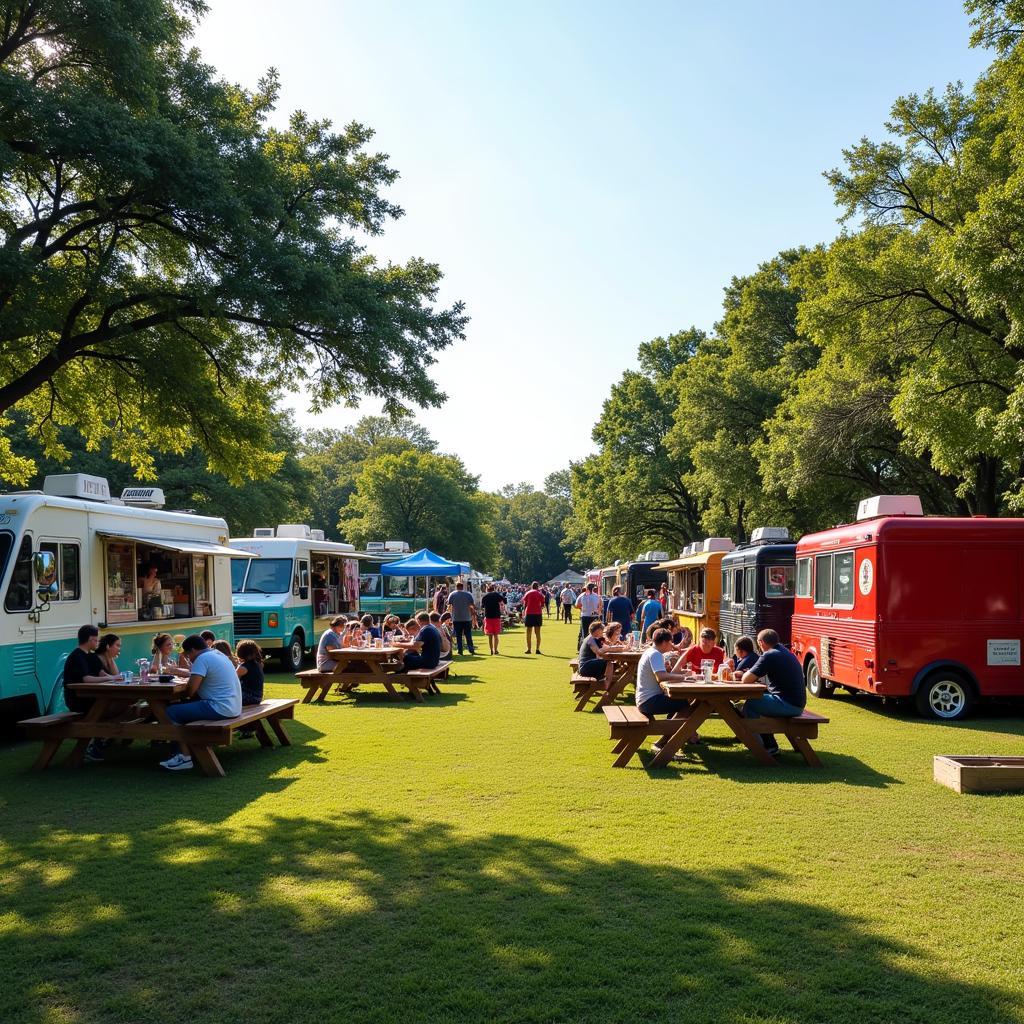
(823, 580)
(268, 576)
(369, 585)
(842, 579)
(778, 581)
(803, 578)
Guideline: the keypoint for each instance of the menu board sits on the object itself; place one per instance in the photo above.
(121, 605)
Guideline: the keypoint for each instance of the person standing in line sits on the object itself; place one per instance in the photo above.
(533, 618)
(568, 599)
(441, 598)
(547, 601)
(648, 613)
(460, 604)
(589, 603)
(620, 610)
(494, 606)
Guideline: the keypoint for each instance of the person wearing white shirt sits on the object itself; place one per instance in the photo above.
(651, 672)
(567, 599)
(590, 604)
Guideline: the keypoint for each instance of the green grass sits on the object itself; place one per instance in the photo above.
(478, 859)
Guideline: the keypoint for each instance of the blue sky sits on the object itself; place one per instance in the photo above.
(588, 175)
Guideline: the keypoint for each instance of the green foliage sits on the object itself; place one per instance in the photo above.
(170, 263)
(529, 528)
(334, 459)
(633, 494)
(427, 499)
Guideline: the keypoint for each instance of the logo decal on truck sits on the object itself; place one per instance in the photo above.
(865, 576)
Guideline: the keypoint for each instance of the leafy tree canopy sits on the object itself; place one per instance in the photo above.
(170, 262)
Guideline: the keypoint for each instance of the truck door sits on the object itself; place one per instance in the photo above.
(26, 680)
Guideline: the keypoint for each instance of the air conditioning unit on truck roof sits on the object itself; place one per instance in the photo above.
(769, 535)
(889, 505)
(374, 546)
(263, 531)
(718, 544)
(298, 530)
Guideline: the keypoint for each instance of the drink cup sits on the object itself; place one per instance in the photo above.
(636, 637)
(707, 668)
(128, 677)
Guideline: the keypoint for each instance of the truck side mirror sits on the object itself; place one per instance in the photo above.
(44, 567)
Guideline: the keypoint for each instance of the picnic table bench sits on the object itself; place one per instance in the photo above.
(630, 727)
(201, 737)
(358, 666)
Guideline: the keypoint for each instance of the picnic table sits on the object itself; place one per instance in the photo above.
(624, 665)
(704, 700)
(357, 666)
(149, 723)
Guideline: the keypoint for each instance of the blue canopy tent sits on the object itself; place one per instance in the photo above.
(424, 563)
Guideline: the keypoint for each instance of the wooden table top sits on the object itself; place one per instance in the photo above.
(134, 691)
(364, 653)
(633, 655)
(699, 689)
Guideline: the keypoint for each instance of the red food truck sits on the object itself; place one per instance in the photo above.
(906, 605)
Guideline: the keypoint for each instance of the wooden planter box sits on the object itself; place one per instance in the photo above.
(972, 774)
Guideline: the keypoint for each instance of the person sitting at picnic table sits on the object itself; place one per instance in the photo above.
(250, 671)
(83, 665)
(780, 671)
(493, 603)
(425, 650)
(225, 648)
(372, 631)
(591, 662)
(445, 629)
(108, 650)
(330, 640)
(706, 650)
(353, 635)
(649, 612)
(218, 690)
(651, 672)
(163, 663)
(743, 658)
(208, 637)
(392, 624)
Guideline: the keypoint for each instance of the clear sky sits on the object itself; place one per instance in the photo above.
(588, 175)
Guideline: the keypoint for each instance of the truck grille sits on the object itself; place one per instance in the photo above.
(248, 623)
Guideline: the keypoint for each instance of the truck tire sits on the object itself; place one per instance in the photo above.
(293, 653)
(816, 686)
(946, 695)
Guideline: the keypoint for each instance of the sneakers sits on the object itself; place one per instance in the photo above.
(774, 751)
(677, 756)
(94, 753)
(178, 763)
(538, 650)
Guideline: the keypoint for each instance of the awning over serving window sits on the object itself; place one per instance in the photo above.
(184, 547)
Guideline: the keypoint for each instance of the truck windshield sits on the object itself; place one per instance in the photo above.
(265, 576)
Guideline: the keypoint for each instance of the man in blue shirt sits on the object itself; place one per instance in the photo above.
(620, 609)
(649, 613)
(780, 671)
(425, 650)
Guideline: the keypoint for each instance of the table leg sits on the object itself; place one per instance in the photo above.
(800, 744)
(739, 726)
(620, 681)
(261, 733)
(308, 696)
(278, 726)
(207, 760)
(47, 754)
(687, 730)
(94, 714)
(587, 694)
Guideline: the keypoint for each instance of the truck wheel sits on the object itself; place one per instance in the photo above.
(292, 655)
(817, 686)
(945, 695)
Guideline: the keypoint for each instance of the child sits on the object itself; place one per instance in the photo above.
(250, 671)
(369, 628)
(225, 648)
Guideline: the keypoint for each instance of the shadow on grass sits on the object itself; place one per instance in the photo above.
(372, 918)
(997, 715)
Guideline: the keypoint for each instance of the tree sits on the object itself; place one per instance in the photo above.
(333, 460)
(430, 500)
(633, 494)
(185, 479)
(529, 529)
(170, 263)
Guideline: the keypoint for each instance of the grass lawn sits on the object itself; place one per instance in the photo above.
(477, 859)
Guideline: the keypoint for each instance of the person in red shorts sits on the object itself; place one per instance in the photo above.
(705, 650)
(533, 614)
(493, 604)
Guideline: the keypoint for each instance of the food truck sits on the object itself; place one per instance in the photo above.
(634, 577)
(290, 587)
(386, 595)
(758, 587)
(695, 583)
(72, 554)
(905, 605)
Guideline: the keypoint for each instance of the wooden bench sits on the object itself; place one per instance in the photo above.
(418, 680)
(317, 684)
(585, 688)
(798, 730)
(630, 727)
(200, 736)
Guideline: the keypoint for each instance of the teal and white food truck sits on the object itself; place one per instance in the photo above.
(290, 586)
(71, 554)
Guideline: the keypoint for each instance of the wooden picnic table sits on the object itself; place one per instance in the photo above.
(704, 700)
(624, 664)
(132, 725)
(356, 665)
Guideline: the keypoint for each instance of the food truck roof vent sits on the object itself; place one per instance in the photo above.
(374, 545)
(263, 531)
(316, 534)
(299, 530)
(143, 497)
(889, 505)
(718, 544)
(769, 535)
(401, 546)
(77, 485)
(652, 556)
